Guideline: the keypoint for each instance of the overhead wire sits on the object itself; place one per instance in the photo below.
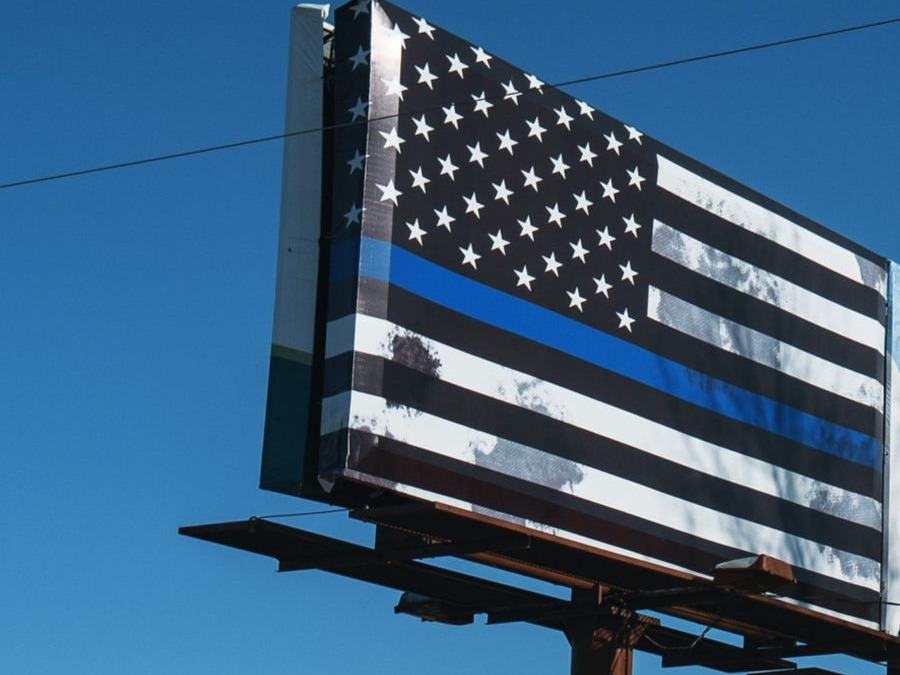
(566, 83)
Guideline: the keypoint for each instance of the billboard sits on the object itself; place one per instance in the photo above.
(537, 313)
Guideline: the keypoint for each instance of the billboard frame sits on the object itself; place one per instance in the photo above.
(752, 618)
(602, 621)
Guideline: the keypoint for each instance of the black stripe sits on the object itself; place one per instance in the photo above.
(768, 255)
(338, 374)
(393, 461)
(405, 386)
(762, 316)
(768, 382)
(523, 355)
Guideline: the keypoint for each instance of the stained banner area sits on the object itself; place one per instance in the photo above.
(539, 313)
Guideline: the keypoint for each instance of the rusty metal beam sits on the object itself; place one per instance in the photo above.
(439, 594)
(757, 616)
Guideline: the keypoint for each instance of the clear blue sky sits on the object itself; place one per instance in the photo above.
(137, 304)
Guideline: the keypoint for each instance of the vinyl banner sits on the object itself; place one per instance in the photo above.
(539, 313)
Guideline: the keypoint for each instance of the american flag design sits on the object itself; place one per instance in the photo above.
(539, 313)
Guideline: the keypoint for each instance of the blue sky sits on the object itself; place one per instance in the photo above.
(137, 304)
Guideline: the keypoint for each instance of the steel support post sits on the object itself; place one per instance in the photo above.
(590, 658)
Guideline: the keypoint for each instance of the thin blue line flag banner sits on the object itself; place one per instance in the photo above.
(539, 314)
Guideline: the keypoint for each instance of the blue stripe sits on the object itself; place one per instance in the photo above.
(381, 260)
(348, 256)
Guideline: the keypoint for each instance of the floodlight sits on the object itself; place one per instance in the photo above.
(433, 609)
(754, 574)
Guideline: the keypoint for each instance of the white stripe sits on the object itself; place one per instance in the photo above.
(764, 349)
(374, 414)
(300, 226)
(752, 217)
(735, 273)
(375, 336)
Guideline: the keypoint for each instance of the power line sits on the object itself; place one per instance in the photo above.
(730, 52)
(567, 83)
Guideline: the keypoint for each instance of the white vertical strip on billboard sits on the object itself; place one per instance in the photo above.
(890, 563)
(301, 190)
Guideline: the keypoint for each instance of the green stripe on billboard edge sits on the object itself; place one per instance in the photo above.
(282, 352)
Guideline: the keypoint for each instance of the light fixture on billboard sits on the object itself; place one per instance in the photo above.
(431, 609)
(754, 574)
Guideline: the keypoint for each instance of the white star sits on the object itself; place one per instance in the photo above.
(419, 180)
(578, 251)
(552, 264)
(559, 166)
(556, 216)
(535, 129)
(635, 178)
(399, 35)
(634, 134)
(585, 109)
(423, 128)
(358, 110)
(614, 144)
(389, 192)
(444, 218)
(456, 65)
(525, 278)
(416, 232)
(353, 214)
(531, 179)
(606, 239)
(609, 191)
(359, 59)
(587, 155)
(631, 225)
(481, 56)
(357, 162)
(482, 104)
(476, 155)
(426, 76)
(602, 286)
(528, 229)
(563, 117)
(625, 321)
(575, 299)
(472, 205)
(391, 139)
(502, 191)
(424, 27)
(534, 83)
(512, 94)
(361, 7)
(628, 274)
(393, 87)
(448, 168)
(469, 256)
(451, 116)
(506, 143)
(498, 243)
(583, 203)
